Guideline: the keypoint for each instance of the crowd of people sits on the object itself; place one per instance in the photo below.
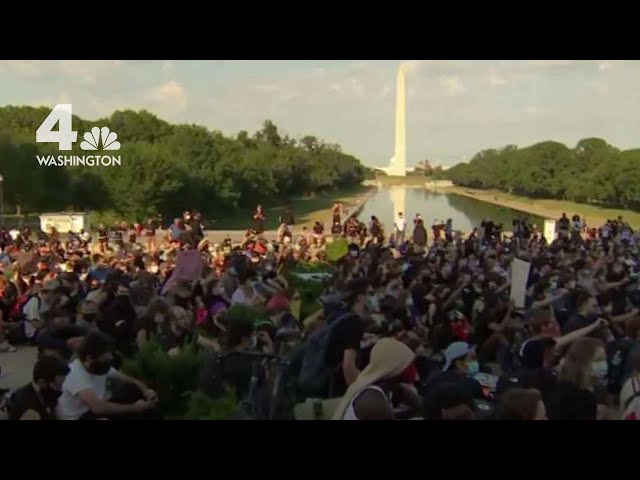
(406, 326)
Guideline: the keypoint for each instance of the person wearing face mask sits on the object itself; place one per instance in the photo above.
(84, 392)
(151, 323)
(38, 399)
(582, 372)
(460, 366)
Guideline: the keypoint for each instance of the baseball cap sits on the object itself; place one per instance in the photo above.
(455, 351)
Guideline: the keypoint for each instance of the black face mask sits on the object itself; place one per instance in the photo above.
(100, 368)
(50, 395)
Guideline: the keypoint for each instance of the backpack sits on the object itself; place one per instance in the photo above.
(632, 405)
(617, 353)
(17, 312)
(315, 376)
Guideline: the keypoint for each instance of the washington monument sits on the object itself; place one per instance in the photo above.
(398, 164)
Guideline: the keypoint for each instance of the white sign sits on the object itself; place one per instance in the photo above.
(550, 230)
(519, 277)
(64, 222)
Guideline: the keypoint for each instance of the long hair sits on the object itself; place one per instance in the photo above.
(575, 367)
(518, 404)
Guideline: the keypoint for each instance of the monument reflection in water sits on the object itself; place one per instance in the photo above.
(465, 213)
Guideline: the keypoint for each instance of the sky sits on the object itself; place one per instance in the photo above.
(455, 108)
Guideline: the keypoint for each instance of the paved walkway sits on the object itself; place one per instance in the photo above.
(17, 367)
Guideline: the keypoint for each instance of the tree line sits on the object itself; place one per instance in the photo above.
(593, 172)
(166, 167)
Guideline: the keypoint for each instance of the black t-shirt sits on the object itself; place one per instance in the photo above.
(542, 379)
(470, 385)
(418, 293)
(27, 399)
(578, 321)
(568, 402)
(563, 224)
(102, 234)
(618, 301)
(5, 308)
(169, 340)
(345, 335)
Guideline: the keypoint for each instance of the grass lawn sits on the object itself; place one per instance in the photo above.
(552, 209)
(306, 210)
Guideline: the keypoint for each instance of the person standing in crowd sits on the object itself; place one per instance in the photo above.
(103, 239)
(150, 233)
(449, 230)
(400, 228)
(419, 232)
(563, 226)
(258, 220)
(38, 399)
(336, 213)
(376, 230)
(287, 218)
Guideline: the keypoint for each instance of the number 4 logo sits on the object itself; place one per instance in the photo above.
(64, 136)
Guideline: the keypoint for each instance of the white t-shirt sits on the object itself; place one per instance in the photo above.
(32, 311)
(14, 234)
(401, 224)
(239, 296)
(70, 407)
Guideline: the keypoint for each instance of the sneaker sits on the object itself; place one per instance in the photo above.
(6, 347)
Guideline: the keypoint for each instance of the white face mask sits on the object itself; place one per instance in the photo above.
(354, 253)
(154, 269)
(600, 369)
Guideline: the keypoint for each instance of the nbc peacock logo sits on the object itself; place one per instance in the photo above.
(97, 139)
(93, 138)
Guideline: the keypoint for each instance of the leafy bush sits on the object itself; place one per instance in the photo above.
(240, 312)
(337, 249)
(171, 377)
(202, 407)
(307, 267)
(309, 292)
